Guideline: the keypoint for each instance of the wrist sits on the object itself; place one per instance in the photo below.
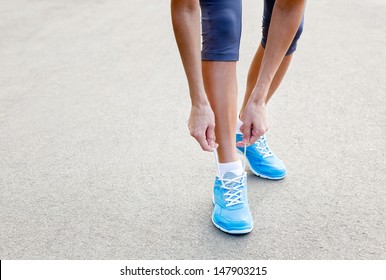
(200, 101)
(198, 97)
(259, 96)
(259, 103)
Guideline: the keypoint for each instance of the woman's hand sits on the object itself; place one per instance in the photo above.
(201, 126)
(254, 122)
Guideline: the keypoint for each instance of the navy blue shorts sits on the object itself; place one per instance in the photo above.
(221, 29)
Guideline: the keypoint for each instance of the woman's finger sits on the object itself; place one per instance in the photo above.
(246, 133)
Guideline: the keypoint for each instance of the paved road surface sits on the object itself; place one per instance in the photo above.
(96, 161)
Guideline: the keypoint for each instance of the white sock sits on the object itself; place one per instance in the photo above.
(239, 124)
(234, 166)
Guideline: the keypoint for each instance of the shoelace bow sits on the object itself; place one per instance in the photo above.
(234, 193)
(261, 145)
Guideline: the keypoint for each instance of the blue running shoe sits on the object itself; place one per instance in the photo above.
(262, 161)
(231, 212)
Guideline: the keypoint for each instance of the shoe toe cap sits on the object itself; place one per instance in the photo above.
(228, 219)
(272, 167)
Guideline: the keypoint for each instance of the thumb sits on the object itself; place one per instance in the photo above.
(246, 129)
(210, 136)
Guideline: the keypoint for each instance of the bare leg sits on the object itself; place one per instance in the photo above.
(221, 88)
(253, 74)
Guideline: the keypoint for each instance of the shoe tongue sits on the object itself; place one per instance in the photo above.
(232, 174)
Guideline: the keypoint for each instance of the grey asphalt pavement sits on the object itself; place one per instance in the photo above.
(96, 161)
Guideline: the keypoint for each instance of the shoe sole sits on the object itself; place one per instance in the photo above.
(257, 173)
(243, 231)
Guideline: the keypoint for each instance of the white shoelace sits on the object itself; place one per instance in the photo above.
(234, 194)
(261, 146)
